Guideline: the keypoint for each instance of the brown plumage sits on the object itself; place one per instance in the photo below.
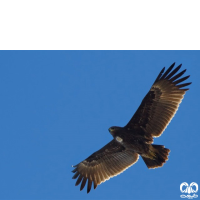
(150, 120)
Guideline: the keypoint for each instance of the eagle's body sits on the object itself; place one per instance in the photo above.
(150, 120)
(126, 138)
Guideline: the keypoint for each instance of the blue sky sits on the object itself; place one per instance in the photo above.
(57, 106)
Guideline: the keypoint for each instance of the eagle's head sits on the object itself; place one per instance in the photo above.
(114, 129)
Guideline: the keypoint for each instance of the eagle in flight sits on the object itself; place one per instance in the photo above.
(150, 120)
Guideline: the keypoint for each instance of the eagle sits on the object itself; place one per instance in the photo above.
(150, 120)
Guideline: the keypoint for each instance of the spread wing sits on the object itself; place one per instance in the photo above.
(109, 161)
(160, 104)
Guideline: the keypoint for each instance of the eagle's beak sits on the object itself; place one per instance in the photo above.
(110, 130)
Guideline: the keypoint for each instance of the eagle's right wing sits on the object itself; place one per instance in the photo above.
(109, 161)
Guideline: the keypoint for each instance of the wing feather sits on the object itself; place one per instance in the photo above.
(181, 80)
(89, 184)
(161, 102)
(79, 179)
(109, 161)
(75, 175)
(168, 70)
(174, 71)
(83, 183)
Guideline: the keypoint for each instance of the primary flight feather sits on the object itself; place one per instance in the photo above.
(150, 120)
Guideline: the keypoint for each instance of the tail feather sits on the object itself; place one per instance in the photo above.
(158, 155)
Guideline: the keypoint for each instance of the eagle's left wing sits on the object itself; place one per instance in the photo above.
(160, 104)
(109, 161)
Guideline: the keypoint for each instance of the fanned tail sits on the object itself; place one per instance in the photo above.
(158, 155)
